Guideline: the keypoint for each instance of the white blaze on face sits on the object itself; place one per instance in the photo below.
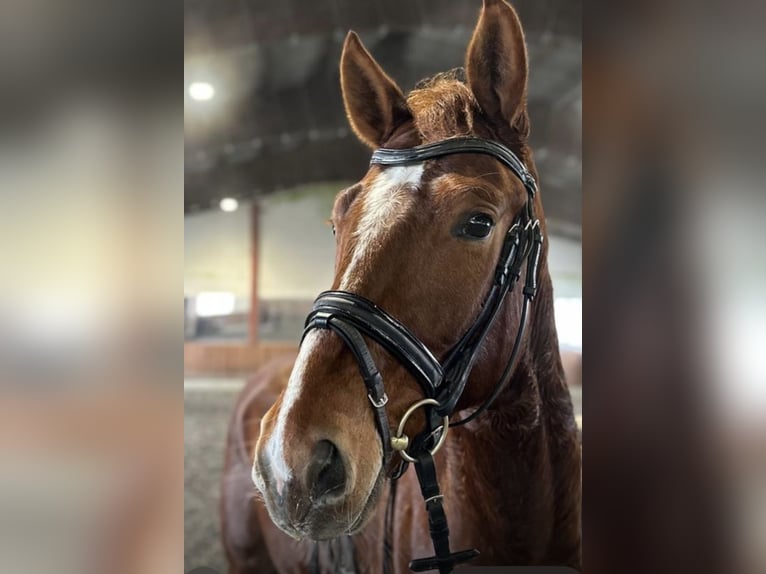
(277, 446)
(387, 201)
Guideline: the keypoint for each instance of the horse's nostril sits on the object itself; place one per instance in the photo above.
(326, 474)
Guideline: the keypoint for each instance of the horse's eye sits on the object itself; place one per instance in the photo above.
(333, 230)
(478, 226)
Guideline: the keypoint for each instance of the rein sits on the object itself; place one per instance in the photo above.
(353, 317)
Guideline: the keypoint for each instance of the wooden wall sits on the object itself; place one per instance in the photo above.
(230, 358)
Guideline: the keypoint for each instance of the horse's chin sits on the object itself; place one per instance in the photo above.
(322, 524)
(369, 506)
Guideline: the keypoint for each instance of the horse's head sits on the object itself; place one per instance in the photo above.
(422, 242)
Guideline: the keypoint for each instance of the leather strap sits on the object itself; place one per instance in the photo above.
(387, 156)
(383, 329)
(460, 360)
(444, 560)
(388, 530)
(371, 377)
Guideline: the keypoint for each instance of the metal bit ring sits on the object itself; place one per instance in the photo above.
(400, 441)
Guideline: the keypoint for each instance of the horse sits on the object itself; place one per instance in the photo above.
(314, 479)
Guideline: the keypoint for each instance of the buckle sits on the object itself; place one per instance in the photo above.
(378, 404)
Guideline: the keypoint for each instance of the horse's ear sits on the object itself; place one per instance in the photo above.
(496, 65)
(375, 105)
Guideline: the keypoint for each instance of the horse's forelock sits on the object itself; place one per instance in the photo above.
(443, 106)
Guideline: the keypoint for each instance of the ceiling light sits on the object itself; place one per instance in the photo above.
(229, 204)
(201, 91)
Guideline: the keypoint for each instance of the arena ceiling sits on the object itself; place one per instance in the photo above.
(276, 120)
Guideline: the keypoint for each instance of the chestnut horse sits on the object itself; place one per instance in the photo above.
(422, 242)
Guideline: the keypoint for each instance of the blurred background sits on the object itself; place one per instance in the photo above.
(91, 273)
(267, 148)
(675, 470)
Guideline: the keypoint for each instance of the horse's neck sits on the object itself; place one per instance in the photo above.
(537, 385)
(525, 445)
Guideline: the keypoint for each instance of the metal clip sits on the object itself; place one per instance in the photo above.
(378, 404)
(432, 498)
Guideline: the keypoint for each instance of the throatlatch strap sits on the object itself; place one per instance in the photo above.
(444, 561)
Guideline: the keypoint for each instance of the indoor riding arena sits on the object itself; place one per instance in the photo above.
(268, 147)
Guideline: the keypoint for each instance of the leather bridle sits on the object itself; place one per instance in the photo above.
(353, 317)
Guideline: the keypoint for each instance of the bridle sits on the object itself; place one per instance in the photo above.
(353, 317)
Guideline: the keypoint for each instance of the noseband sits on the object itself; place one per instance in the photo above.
(353, 317)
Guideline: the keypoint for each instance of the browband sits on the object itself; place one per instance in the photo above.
(387, 156)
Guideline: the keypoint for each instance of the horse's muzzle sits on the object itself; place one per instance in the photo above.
(312, 503)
